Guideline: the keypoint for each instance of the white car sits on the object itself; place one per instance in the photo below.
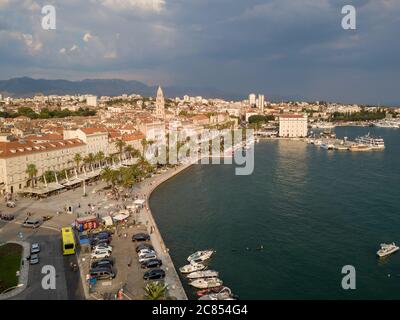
(35, 248)
(100, 255)
(102, 248)
(147, 257)
(144, 252)
(34, 259)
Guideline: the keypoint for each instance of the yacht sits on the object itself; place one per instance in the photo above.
(387, 249)
(373, 142)
(192, 267)
(358, 147)
(203, 274)
(206, 283)
(200, 256)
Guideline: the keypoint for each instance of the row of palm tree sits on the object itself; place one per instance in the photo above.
(127, 176)
(124, 176)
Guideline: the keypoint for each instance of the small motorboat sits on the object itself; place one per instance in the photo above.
(200, 256)
(206, 283)
(203, 274)
(387, 249)
(223, 294)
(204, 292)
(192, 267)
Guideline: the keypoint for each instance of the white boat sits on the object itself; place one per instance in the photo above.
(387, 124)
(192, 267)
(327, 146)
(224, 294)
(372, 142)
(387, 249)
(206, 283)
(200, 256)
(203, 274)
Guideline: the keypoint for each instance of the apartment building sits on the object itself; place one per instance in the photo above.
(15, 156)
(293, 126)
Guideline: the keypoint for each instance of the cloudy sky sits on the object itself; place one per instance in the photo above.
(288, 48)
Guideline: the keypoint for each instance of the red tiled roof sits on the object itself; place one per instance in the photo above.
(135, 136)
(18, 148)
(93, 130)
(292, 116)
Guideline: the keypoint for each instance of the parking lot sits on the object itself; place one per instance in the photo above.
(129, 274)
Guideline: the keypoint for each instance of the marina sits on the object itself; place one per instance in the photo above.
(313, 211)
(363, 143)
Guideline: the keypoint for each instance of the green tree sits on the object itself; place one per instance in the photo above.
(155, 291)
(31, 171)
(78, 160)
(120, 144)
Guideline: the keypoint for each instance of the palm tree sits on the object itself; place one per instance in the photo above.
(129, 149)
(120, 144)
(155, 291)
(77, 159)
(89, 159)
(144, 143)
(99, 157)
(31, 171)
(106, 174)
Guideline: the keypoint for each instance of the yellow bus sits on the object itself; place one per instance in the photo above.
(68, 241)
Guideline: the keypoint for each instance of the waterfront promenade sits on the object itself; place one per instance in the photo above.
(145, 189)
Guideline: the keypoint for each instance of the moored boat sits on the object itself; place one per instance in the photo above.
(387, 249)
(192, 267)
(203, 274)
(200, 256)
(223, 295)
(209, 290)
(206, 283)
(359, 147)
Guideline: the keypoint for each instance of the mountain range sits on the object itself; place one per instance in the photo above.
(28, 87)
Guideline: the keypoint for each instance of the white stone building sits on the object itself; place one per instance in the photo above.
(293, 126)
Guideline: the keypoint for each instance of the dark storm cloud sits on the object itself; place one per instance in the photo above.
(279, 47)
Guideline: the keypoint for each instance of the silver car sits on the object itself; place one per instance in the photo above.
(34, 259)
(35, 248)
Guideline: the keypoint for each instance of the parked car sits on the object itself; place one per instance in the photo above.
(154, 274)
(144, 246)
(102, 273)
(96, 242)
(152, 263)
(34, 259)
(103, 247)
(32, 223)
(35, 248)
(144, 252)
(140, 237)
(11, 204)
(102, 262)
(99, 256)
(147, 257)
(98, 251)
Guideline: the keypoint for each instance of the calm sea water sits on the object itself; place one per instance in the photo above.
(313, 210)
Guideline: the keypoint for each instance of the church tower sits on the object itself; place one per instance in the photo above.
(160, 104)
